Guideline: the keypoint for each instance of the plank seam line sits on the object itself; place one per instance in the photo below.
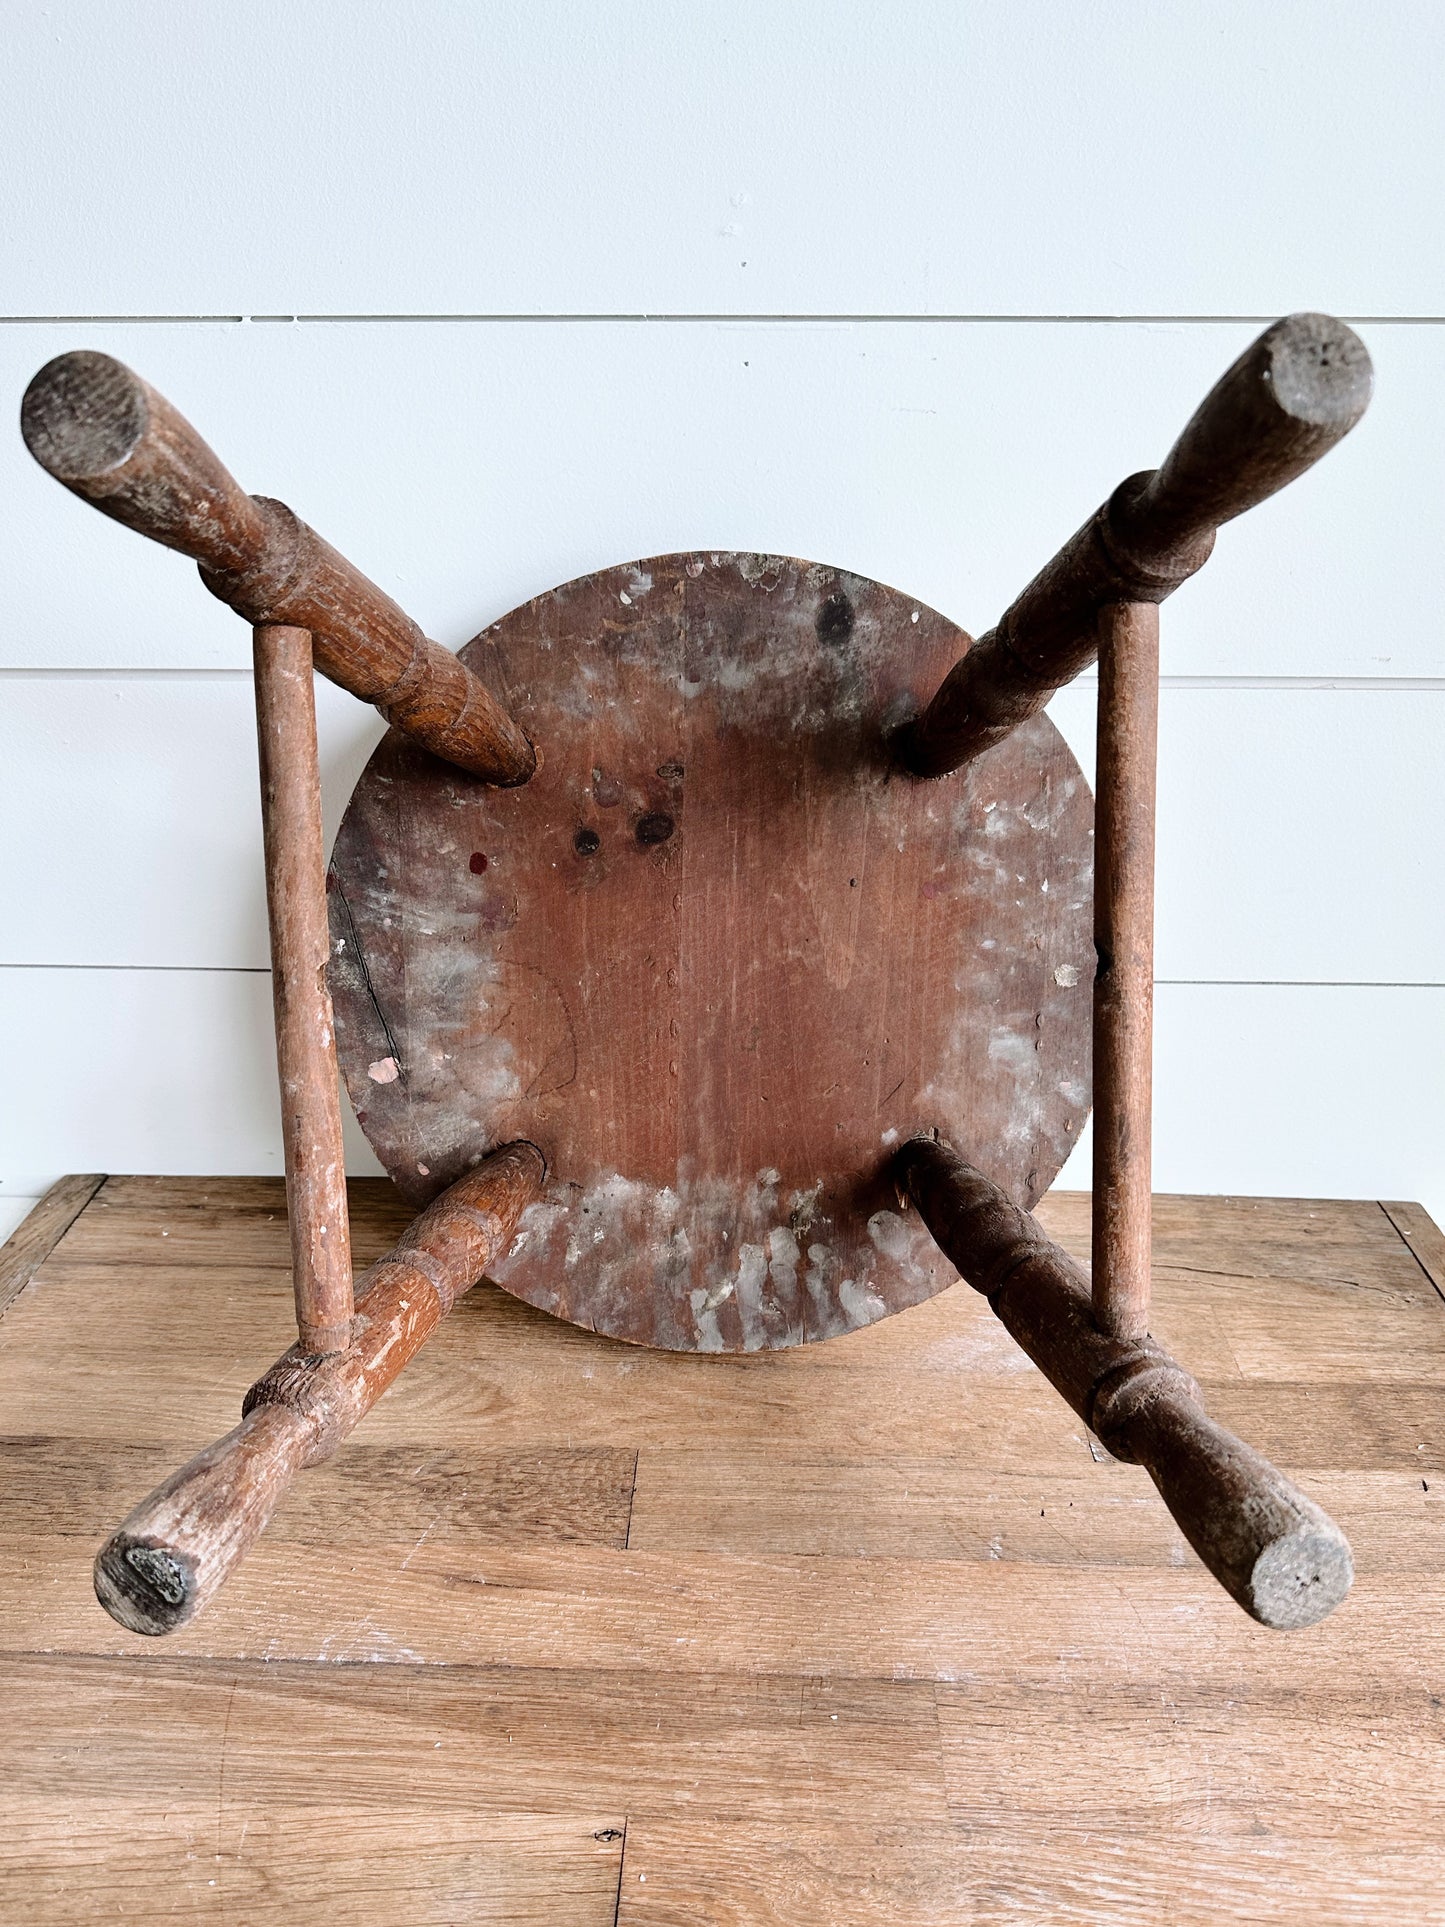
(200, 673)
(705, 317)
(218, 970)
(17, 1270)
(1164, 983)
(1291, 983)
(621, 1863)
(1393, 1222)
(631, 1502)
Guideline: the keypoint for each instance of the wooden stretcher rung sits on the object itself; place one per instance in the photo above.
(1124, 783)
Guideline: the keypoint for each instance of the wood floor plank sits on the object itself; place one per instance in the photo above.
(711, 1613)
(871, 1875)
(1187, 1224)
(751, 1503)
(505, 1739)
(1357, 1425)
(873, 1632)
(497, 1361)
(37, 1235)
(203, 1221)
(500, 1373)
(225, 1307)
(1424, 1237)
(242, 1221)
(1391, 1280)
(214, 1857)
(1037, 1754)
(366, 1494)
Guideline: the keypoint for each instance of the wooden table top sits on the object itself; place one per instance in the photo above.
(864, 1632)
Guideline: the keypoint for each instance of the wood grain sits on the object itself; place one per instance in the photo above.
(1123, 1057)
(873, 1873)
(110, 438)
(1267, 1542)
(33, 1240)
(717, 955)
(1422, 1235)
(305, 1025)
(876, 1638)
(177, 1546)
(510, 1738)
(1288, 399)
(254, 1860)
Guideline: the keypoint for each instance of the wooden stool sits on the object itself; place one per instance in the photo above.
(665, 980)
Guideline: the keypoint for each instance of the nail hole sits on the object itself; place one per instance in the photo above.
(835, 620)
(656, 827)
(477, 864)
(587, 842)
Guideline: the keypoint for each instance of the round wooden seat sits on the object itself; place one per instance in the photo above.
(719, 955)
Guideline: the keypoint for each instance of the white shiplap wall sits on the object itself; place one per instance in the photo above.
(498, 295)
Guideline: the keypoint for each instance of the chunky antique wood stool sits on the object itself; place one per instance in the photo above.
(667, 974)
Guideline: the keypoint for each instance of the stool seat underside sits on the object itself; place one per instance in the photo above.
(719, 956)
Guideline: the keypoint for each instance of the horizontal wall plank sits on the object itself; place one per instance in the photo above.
(1291, 841)
(133, 817)
(1314, 1091)
(1318, 1091)
(166, 1069)
(467, 467)
(1034, 158)
(1291, 844)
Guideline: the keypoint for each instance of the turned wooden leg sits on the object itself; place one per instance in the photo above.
(1124, 985)
(1271, 1548)
(110, 438)
(180, 1544)
(1289, 398)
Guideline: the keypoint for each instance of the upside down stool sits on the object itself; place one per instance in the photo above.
(718, 952)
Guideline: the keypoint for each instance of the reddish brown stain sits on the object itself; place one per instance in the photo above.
(717, 1039)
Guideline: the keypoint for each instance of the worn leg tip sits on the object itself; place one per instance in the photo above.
(1300, 1578)
(145, 1588)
